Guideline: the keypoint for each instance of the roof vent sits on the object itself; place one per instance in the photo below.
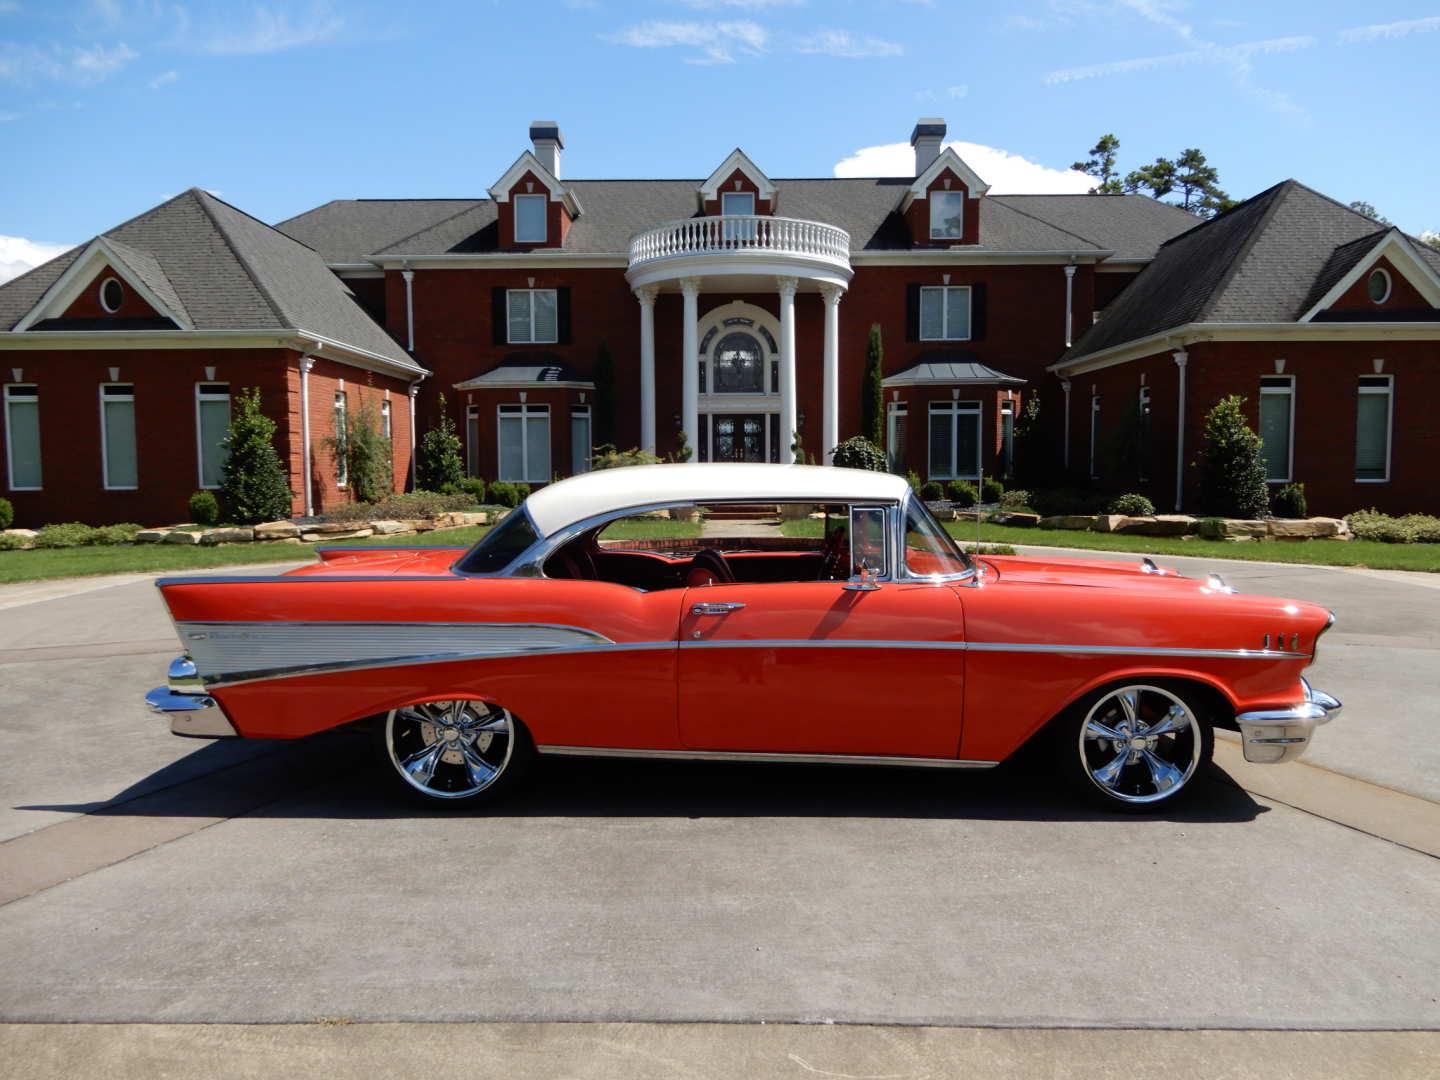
(545, 137)
(926, 139)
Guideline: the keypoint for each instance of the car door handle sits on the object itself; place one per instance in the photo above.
(716, 607)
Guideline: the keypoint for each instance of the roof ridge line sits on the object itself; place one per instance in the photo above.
(248, 266)
(427, 228)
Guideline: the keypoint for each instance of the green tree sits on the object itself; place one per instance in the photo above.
(1101, 165)
(1431, 239)
(366, 451)
(1198, 183)
(440, 464)
(1232, 472)
(872, 389)
(254, 484)
(1156, 179)
(1360, 206)
(858, 452)
(603, 376)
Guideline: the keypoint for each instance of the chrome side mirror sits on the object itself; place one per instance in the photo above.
(868, 579)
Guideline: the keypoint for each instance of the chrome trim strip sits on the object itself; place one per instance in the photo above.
(361, 549)
(993, 646)
(728, 755)
(301, 579)
(827, 644)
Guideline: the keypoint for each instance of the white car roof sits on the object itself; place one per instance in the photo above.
(554, 507)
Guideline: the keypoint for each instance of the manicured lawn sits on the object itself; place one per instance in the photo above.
(651, 529)
(1367, 553)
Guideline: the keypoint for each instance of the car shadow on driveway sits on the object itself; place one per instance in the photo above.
(332, 776)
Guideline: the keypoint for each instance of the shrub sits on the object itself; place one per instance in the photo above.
(117, 534)
(7, 513)
(255, 486)
(506, 493)
(10, 543)
(1015, 498)
(1289, 501)
(858, 452)
(1425, 527)
(204, 508)
(415, 504)
(365, 451)
(913, 479)
(1057, 501)
(1131, 505)
(439, 462)
(991, 490)
(964, 493)
(931, 491)
(474, 486)
(1232, 472)
(69, 535)
(607, 457)
(1373, 525)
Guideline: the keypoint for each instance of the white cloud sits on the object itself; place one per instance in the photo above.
(718, 42)
(82, 65)
(1390, 30)
(1232, 55)
(746, 5)
(955, 93)
(7, 117)
(845, 45)
(8, 7)
(261, 30)
(1006, 173)
(164, 79)
(17, 255)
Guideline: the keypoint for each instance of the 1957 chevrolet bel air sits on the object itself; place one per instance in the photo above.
(746, 612)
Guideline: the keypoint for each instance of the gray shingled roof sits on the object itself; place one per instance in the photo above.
(1260, 262)
(226, 271)
(614, 210)
(950, 372)
(538, 368)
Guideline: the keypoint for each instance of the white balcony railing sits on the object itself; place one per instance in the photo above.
(746, 234)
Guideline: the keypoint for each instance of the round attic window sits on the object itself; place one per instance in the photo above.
(1379, 286)
(112, 294)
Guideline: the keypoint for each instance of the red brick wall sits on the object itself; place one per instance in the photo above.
(1403, 296)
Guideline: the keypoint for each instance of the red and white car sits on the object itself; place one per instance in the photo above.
(744, 612)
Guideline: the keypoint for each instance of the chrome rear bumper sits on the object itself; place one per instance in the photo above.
(192, 712)
(1274, 736)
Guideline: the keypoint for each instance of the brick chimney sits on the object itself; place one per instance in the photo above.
(545, 136)
(929, 133)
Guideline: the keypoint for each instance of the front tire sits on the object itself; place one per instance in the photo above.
(454, 753)
(1136, 747)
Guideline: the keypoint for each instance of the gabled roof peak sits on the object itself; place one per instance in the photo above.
(527, 162)
(738, 159)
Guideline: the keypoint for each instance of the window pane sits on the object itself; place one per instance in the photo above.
(967, 444)
(472, 444)
(957, 313)
(22, 426)
(1372, 435)
(737, 202)
(932, 314)
(1275, 430)
(519, 310)
(530, 219)
(512, 457)
(941, 443)
(579, 442)
(120, 470)
(214, 423)
(544, 300)
(947, 215)
(537, 448)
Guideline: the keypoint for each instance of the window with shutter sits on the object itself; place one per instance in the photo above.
(945, 313)
(532, 316)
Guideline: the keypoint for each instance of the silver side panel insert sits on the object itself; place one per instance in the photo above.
(728, 755)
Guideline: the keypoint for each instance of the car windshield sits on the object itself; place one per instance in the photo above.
(499, 547)
(928, 548)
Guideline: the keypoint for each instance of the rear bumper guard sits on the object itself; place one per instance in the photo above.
(192, 712)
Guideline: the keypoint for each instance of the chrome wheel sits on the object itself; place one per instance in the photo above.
(450, 750)
(1141, 744)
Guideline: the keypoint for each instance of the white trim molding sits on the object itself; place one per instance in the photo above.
(709, 190)
(85, 271)
(528, 162)
(947, 158)
(1394, 246)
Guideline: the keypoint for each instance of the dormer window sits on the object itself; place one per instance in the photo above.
(737, 202)
(1378, 286)
(530, 213)
(112, 294)
(947, 215)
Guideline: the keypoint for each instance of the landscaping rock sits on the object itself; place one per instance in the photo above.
(1306, 528)
(1159, 525)
(1107, 522)
(277, 530)
(336, 528)
(966, 515)
(181, 536)
(227, 536)
(1233, 528)
(25, 536)
(1018, 520)
(389, 528)
(315, 536)
(1069, 521)
(151, 536)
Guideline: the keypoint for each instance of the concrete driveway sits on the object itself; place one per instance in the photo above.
(147, 878)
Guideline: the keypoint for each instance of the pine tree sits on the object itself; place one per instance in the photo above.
(872, 390)
(1232, 472)
(1156, 179)
(1360, 206)
(440, 466)
(254, 484)
(604, 379)
(1102, 166)
(1199, 185)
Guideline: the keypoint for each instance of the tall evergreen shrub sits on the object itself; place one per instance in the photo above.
(440, 463)
(254, 485)
(872, 390)
(1232, 472)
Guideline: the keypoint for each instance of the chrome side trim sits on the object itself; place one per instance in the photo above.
(728, 755)
(359, 549)
(198, 716)
(1141, 650)
(826, 644)
(300, 579)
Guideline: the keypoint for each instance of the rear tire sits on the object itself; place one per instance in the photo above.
(455, 753)
(1135, 747)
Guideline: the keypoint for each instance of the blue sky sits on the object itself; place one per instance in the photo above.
(109, 106)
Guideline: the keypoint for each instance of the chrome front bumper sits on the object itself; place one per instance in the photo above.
(192, 712)
(1274, 736)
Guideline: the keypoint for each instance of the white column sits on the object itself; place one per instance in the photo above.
(306, 363)
(409, 276)
(788, 422)
(1069, 304)
(1065, 446)
(831, 396)
(1181, 358)
(690, 371)
(646, 296)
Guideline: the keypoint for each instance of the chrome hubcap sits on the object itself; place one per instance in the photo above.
(1140, 744)
(449, 749)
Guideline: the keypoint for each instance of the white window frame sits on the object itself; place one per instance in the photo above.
(727, 196)
(945, 334)
(955, 409)
(1389, 284)
(11, 397)
(530, 298)
(385, 428)
(1389, 391)
(1275, 389)
(342, 414)
(202, 395)
(100, 295)
(1094, 433)
(472, 440)
(582, 460)
(530, 200)
(938, 197)
(526, 411)
(894, 412)
(105, 435)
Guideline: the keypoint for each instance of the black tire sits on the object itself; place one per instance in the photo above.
(454, 753)
(1140, 746)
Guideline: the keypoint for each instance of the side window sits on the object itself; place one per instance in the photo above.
(867, 540)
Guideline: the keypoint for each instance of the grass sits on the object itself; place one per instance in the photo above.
(651, 529)
(1367, 553)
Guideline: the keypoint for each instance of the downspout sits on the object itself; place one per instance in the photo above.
(414, 395)
(1065, 385)
(307, 361)
(409, 276)
(1069, 303)
(1181, 357)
